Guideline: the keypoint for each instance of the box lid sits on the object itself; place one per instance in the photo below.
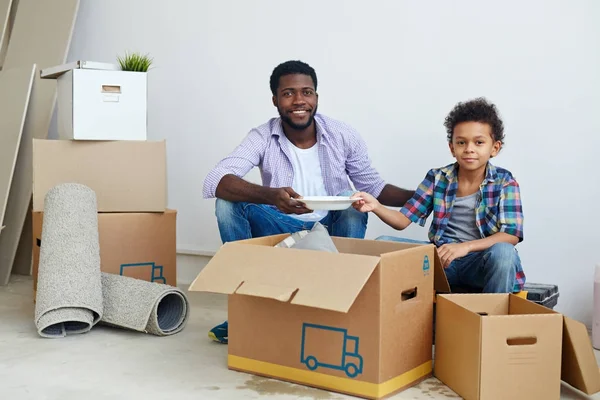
(318, 279)
(56, 71)
(579, 365)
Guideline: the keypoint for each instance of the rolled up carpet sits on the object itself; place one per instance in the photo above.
(143, 306)
(69, 291)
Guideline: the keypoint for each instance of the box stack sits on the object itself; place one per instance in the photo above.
(103, 145)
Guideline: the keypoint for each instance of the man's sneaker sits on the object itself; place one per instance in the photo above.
(219, 333)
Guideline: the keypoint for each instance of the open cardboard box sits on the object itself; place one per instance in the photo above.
(356, 322)
(501, 346)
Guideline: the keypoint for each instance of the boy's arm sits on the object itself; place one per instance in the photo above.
(420, 205)
(416, 209)
(486, 243)
(510, 210)
(450, 251)
(391, 217)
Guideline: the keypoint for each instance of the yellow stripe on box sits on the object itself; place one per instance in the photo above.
(335, 383)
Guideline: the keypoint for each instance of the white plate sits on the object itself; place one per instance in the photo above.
(327, 202)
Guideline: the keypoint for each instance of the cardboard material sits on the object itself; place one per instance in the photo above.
(41, 34)
(356, 322)
(15, 90)
(496, 346)
(127, 176)
(139, 245)
(98, 102)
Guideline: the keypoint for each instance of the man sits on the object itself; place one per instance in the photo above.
(301, 153)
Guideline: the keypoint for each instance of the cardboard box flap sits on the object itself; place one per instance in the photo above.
(318, 279)
(440, 282)
(579, 366)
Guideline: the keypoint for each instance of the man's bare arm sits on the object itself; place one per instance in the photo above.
(393, 196)
(233, 188)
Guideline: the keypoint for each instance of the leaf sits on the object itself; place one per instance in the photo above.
(135, 62)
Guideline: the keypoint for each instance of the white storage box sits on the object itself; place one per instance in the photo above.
(98, 101)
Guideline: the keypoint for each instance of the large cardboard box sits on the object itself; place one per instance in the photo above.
(140, 245)
(356, 322)
(501, 346)
(99, 101)
(127, 176)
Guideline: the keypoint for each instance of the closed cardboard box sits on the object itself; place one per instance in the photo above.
(139, 245)
(356, 322)
(501, 346)
(127, 176)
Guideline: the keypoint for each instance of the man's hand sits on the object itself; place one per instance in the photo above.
(233, 188)
(451, 251)
(285, 200)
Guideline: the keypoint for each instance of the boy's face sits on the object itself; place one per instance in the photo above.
(473, 145)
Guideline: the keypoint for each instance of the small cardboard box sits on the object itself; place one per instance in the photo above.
(501, 346)
(127, 176)
(357, 322)
(140, 245)
(99, 101)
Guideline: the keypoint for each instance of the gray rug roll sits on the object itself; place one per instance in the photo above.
(69, 290)
(143, 306)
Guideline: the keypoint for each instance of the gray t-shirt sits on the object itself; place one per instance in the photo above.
(462, 226)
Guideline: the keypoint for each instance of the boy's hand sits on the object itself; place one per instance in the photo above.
(451, 251)
(368, 202)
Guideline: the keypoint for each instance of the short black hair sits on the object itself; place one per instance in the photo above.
(475, 110)
(289, 68)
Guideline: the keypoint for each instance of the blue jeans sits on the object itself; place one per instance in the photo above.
(492, 270)
(241, 220)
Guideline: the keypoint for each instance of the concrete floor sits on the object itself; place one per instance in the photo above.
(108, 363)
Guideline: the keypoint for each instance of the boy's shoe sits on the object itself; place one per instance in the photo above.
(220, 333)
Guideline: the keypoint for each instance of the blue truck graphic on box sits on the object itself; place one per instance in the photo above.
(156, 270)
(345, 348)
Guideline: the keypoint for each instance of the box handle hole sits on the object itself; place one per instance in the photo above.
(521, 341)
(409, 294)
(111, 89)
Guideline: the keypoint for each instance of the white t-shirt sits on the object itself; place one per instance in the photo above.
(308, 180)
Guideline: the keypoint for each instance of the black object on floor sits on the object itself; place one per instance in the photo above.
(542, 294)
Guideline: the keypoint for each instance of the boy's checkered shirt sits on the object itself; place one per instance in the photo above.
(499, 207)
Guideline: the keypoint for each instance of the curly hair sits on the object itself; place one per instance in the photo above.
(289, 68)
(476, 110)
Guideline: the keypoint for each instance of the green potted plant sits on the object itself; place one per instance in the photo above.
(135, 62)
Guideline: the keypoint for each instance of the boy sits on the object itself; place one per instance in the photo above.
(477, 212)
